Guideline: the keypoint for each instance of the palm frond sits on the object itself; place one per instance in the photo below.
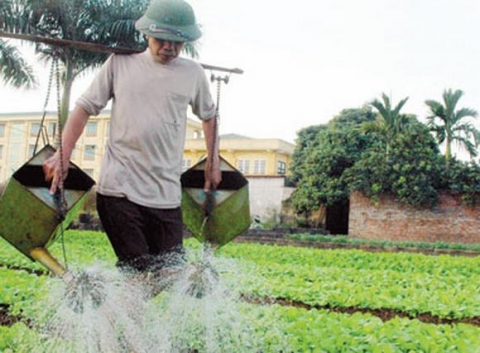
(14, 69)
(466, 112)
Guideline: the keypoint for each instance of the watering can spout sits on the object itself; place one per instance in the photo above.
(46, 259)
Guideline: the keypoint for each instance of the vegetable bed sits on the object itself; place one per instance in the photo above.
(295, 299)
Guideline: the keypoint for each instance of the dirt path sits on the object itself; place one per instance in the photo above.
(383, 314)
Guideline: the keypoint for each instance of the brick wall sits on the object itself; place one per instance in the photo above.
(449, 222)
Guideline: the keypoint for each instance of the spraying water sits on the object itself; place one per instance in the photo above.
(104, 310)
(96, 311)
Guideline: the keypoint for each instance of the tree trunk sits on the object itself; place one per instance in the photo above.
(67, 90)
(448, 149)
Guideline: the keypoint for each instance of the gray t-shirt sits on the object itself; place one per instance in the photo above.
(143, 159)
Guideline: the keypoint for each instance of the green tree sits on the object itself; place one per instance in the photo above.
(322, 157)
(453, 125)
(389, 122)
(305, 142)
(412, 173)
(14, 70)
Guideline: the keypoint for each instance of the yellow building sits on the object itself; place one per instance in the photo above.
(252, 157)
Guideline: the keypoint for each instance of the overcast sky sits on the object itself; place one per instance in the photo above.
(306, 60)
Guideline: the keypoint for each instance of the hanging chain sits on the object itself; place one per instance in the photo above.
(62, 205)
(217, 119)
(47, 98)
(209, 197)
(217, 110)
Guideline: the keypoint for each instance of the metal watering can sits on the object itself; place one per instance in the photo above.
(218, 216)
(29, 217)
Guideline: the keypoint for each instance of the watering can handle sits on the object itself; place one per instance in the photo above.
(209, 203)
(59, 201)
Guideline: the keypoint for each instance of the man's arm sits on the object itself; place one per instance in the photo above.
(71, 132)
(213, 174)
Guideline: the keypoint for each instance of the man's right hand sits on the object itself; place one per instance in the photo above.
(54, 173)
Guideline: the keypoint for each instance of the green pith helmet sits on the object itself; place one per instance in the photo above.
(169, 20)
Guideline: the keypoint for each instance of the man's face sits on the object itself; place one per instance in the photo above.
(164, 51)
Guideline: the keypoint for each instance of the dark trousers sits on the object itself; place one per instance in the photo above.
(142, 237)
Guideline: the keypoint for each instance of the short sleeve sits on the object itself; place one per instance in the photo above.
(203, 106)
(100, 91)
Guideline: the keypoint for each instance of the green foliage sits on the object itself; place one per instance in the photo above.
(389, 153)
(443, 286)
(305, 142)
(411, 173)
(18, 338)
(323, 155)
(463, 179)
(13, 68)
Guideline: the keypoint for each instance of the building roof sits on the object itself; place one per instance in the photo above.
(242, 143)
(234, 137)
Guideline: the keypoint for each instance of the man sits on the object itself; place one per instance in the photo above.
(139, 191)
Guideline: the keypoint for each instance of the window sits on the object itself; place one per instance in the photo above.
(1, 151)
(91, 129)
(89, 152)
(243, 166)
(89, 172)
(31, 149)
(282, 167)
(260, 166)
(52, 129)
(15, 154)
(34, 129)
(2, 130)
(186, 164)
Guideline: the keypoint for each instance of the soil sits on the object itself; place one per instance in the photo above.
(383, 314)
(5, 318)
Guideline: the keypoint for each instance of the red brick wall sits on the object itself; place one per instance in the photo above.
(449, 222)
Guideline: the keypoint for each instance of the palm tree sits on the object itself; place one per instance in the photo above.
(389, 122)
(108, 22)
(453, 125)
(14, 70)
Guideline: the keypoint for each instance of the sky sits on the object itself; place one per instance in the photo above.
(306, 60)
